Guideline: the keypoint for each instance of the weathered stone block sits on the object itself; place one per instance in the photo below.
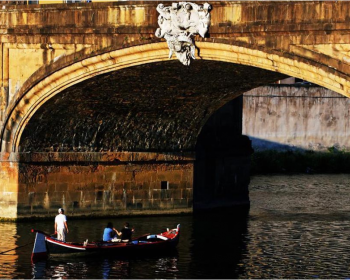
(166, 204)
(156, 194)
(177, 194)
(87, 187)
(41, 187)
(155, 205)
(61, 187)
(128, 185)
(182, 203)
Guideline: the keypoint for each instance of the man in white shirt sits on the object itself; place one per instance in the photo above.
(61, 227)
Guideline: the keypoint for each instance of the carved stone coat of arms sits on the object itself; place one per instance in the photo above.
(179, 23)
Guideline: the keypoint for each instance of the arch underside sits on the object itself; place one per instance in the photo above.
(137, 99)
(152, 107)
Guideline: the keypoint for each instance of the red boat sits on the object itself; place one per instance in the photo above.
(46, 245)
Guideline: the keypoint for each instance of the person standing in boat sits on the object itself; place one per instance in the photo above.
(125, 233)
(61, 227)
(109, 232)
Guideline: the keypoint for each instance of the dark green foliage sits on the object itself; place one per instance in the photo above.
(300, 162)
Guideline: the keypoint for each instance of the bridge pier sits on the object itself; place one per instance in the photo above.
(8, 189)
(222, 167)
(224, 178)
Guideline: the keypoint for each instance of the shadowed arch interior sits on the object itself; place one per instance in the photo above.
(150, 107)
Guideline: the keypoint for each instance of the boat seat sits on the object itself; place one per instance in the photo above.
(157, 236)
(119, 240)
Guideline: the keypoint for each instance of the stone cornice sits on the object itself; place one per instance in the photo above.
(97, 157)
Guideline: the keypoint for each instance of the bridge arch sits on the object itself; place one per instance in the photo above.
(29, 101)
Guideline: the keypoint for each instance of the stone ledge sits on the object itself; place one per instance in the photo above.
(109, 157)
(99, 215)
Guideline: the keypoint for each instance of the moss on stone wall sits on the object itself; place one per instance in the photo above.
(332, 161)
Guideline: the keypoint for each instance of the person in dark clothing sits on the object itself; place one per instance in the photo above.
(125, 233)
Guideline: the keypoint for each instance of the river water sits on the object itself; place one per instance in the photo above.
(297, 227)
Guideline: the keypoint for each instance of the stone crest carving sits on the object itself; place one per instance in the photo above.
(179, 24)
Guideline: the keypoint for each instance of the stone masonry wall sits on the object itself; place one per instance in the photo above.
(98, 188)
(8, 189)
(291, 117)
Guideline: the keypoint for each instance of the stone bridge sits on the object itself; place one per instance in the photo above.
(96, 118)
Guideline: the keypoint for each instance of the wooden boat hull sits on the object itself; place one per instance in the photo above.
(46, 245)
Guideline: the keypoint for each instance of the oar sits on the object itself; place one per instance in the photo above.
(16, 248)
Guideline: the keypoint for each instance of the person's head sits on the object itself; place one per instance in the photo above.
(110, 225)
(126, 224)
(60, 211)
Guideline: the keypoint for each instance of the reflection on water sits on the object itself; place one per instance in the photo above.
(297, 227)
(218, 242)
(105, 267)
(39, 269)
(72, 268)
(8, 241)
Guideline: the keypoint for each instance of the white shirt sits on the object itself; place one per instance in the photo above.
(60, 220)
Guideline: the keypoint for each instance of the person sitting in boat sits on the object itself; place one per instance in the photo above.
(109, 232)
(61, 227)
(125, 233)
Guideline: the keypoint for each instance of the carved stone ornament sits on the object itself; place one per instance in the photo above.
(179, 24)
